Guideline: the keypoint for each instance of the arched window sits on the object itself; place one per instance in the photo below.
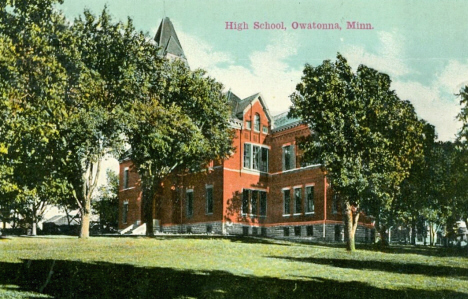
(257, 123)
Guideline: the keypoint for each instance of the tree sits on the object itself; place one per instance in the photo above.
(462, 161)
(365, 137)
(31, 101)
(63, 90)
(181, 125)
(416, 188)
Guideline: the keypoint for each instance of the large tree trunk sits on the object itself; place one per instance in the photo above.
(148, 204)
(148, 183)
(431, 234)
(350, 221)
(34, 221)
(34, 228)
(90, 180)
(85, 218)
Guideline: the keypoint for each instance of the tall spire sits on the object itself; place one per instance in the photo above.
(167, 39)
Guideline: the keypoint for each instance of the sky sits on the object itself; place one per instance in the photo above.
(421, 44)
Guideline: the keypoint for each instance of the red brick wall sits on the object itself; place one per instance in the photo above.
(230, 178)
(173, 206)
(132, 194)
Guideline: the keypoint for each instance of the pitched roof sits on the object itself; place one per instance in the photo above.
(243, 104)
(167, 39)
(239, 105)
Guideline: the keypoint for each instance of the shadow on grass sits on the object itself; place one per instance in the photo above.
(73, 279)
(398, 268)
(401, 249)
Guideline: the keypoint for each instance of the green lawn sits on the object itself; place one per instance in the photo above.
(203, 267)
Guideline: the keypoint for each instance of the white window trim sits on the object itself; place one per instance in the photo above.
(248, 125)
(282, 191)
(266, 205)
(127, 171)
(259, 123)
(293, 156)
(294, 188)
(252, 215)
(263, 130)
(186, 203)
(250, 202)
(125, 203)
(252, 158)
(244, 213)
(305, 199)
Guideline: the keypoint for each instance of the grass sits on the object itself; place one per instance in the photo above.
(204, 267)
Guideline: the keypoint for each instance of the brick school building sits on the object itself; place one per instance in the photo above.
(262, 189)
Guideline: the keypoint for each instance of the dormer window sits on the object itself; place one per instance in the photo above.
(257, 123)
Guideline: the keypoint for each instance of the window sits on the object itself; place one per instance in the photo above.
(289, 161)
(253, 203)
(264, 160)
(297, 231)
(310, 231)
(209, 199)
(335, 203)
(265, 129)
(338, 233)
(286, 198)
(247, 154)
(257, 123)
(125, 212)
(256, 157)
(248, 125)
(125, 178)
(286, 231)
(309, 199)
(189, 198)
(245, 230)
(245, 201)
(263, 203)
(297, 200)
(255, 198)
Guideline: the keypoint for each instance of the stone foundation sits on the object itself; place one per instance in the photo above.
(333, 232)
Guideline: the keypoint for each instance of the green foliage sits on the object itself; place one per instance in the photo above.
(365, 137)
(181, 124)
(31, 92)
(69, 92)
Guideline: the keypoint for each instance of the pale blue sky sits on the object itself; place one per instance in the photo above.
(421, 44)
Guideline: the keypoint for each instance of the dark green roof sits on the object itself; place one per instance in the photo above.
(283, 122)
(167, 39)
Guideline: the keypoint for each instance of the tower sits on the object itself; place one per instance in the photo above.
(166, 38)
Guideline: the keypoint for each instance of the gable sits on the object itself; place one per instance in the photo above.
(258, 99)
